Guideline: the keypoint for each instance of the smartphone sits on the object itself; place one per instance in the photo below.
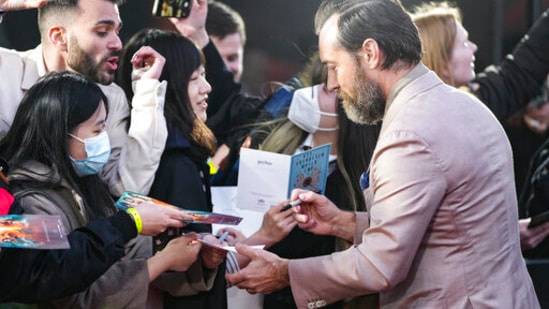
(172, 8)
(539, 219)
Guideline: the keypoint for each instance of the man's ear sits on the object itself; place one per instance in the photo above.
(371, 54)
(58, 37)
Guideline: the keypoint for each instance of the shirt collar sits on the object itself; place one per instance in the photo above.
(416, 72)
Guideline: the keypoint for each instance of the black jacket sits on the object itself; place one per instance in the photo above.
(182, 179)
(30, 275)
(507, 87)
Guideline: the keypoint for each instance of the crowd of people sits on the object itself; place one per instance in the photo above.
(430, 192)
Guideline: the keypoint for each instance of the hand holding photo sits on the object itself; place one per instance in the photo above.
(131, 199)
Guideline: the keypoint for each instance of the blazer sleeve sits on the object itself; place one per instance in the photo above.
(401, 212)
(52, 274)
(509, 86)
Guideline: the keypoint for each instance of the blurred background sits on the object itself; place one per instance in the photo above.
(281, 35)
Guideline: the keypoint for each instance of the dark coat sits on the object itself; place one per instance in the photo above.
(182, 179)
(508, 87)
(52, 274)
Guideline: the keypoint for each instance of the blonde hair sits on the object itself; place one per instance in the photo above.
(436, 23)
(284, 138)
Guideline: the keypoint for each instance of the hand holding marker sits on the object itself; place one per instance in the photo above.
(223, 236)
(290, 205)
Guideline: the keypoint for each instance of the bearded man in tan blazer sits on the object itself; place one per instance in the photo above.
(442, 226)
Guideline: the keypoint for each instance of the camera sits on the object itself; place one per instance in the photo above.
(172, 8)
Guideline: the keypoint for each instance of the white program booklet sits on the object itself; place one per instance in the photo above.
(265, 178)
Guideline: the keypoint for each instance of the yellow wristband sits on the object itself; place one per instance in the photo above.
(137, 218)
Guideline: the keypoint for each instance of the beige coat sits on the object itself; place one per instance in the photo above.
(135, 154)
(442, 231)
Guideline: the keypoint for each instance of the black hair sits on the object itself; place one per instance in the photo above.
(182, 58)
(386, 22)
(40, 131)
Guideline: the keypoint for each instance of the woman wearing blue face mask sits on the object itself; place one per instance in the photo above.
(56, 146)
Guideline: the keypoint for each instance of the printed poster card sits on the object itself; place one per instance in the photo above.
(224, 201)
(131, 199)
(266, 178)
(33, 232)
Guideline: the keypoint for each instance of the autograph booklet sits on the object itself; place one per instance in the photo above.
(32, 232)
(131, 199)
(266, 178)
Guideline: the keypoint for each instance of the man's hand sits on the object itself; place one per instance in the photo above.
(15, 5)
(265, 273)
(316, 213)
(157, 219)
(194, 25)
(147, 63)
(530, 238)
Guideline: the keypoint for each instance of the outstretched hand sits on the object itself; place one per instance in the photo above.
(211, 255)
(276, 225)
(265, 273)
(182, 251)
(157, 219)
(15, 5)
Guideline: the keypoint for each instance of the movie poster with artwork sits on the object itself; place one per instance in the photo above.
(32, 232)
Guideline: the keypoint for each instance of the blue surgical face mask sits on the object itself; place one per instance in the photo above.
(98, 151)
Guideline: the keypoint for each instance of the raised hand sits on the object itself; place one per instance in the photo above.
(194, 25)
(15, 5)
(147, 63)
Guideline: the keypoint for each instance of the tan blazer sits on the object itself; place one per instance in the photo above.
(443, 230)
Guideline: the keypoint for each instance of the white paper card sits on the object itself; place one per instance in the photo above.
(265, 178)
(262, 179)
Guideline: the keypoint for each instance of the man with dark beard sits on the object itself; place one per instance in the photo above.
(82, 36)
(441, 228)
